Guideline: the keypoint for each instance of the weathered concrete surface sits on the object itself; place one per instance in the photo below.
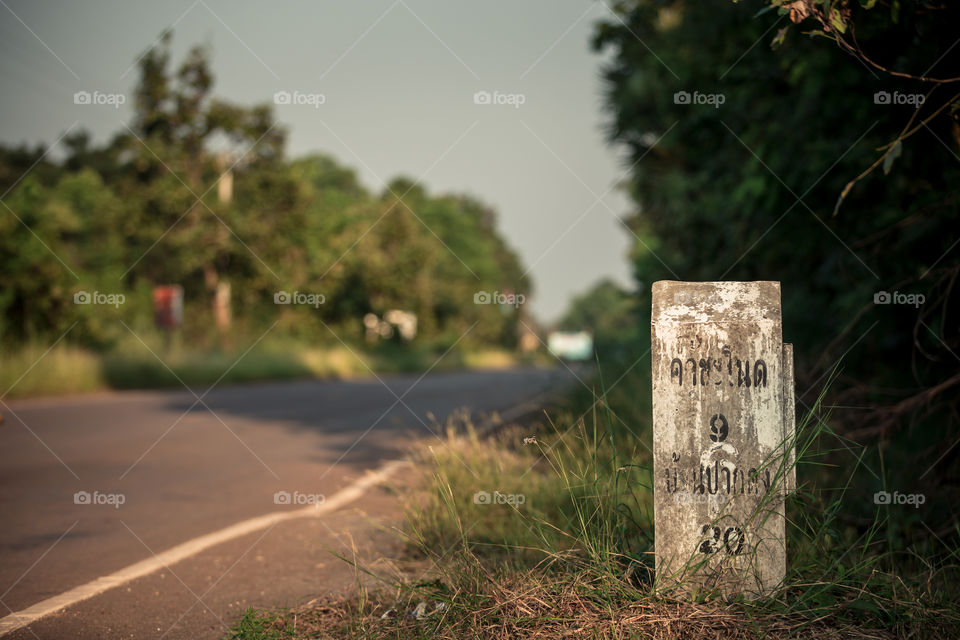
(722, 381)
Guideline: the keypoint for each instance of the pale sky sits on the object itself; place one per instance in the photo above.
(398, 80)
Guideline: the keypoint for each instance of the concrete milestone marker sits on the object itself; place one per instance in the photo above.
(723, 435)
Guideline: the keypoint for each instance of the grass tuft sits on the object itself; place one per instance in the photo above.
(573, 558)
(65, 369)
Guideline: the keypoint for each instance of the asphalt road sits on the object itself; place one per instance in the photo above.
(186, 468)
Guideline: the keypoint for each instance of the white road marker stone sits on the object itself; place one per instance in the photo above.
(723, 431)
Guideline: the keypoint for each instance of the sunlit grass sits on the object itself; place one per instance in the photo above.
(573, 558)
(34, 370)
(132, 364)
(490, 359)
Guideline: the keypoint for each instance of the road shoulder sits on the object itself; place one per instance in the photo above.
(284, 565)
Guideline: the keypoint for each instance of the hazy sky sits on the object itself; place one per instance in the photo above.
(398, 80)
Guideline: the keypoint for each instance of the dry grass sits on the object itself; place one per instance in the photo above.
(573, 561)
(34, 370)
(535, 607)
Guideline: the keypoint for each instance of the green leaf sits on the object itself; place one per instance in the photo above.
(836, 19)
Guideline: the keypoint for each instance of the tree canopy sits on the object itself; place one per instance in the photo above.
(145, 209)
(752, 164)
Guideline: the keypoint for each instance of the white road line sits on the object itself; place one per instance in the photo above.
(22, 618)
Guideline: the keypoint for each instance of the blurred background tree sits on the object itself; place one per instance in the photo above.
(611, 313)
(198, 192)
(750, 190)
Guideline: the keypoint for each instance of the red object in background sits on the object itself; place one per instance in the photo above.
(168, 306)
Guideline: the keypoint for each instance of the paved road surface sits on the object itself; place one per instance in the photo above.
(186, 469)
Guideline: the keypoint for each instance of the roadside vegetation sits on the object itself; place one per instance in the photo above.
(828, 164)
(292, 258)
(545, 530)
(68, 369)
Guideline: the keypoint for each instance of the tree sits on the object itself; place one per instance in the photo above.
(176, 125)
(609, 312)
(144, 209)
(742, 154)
